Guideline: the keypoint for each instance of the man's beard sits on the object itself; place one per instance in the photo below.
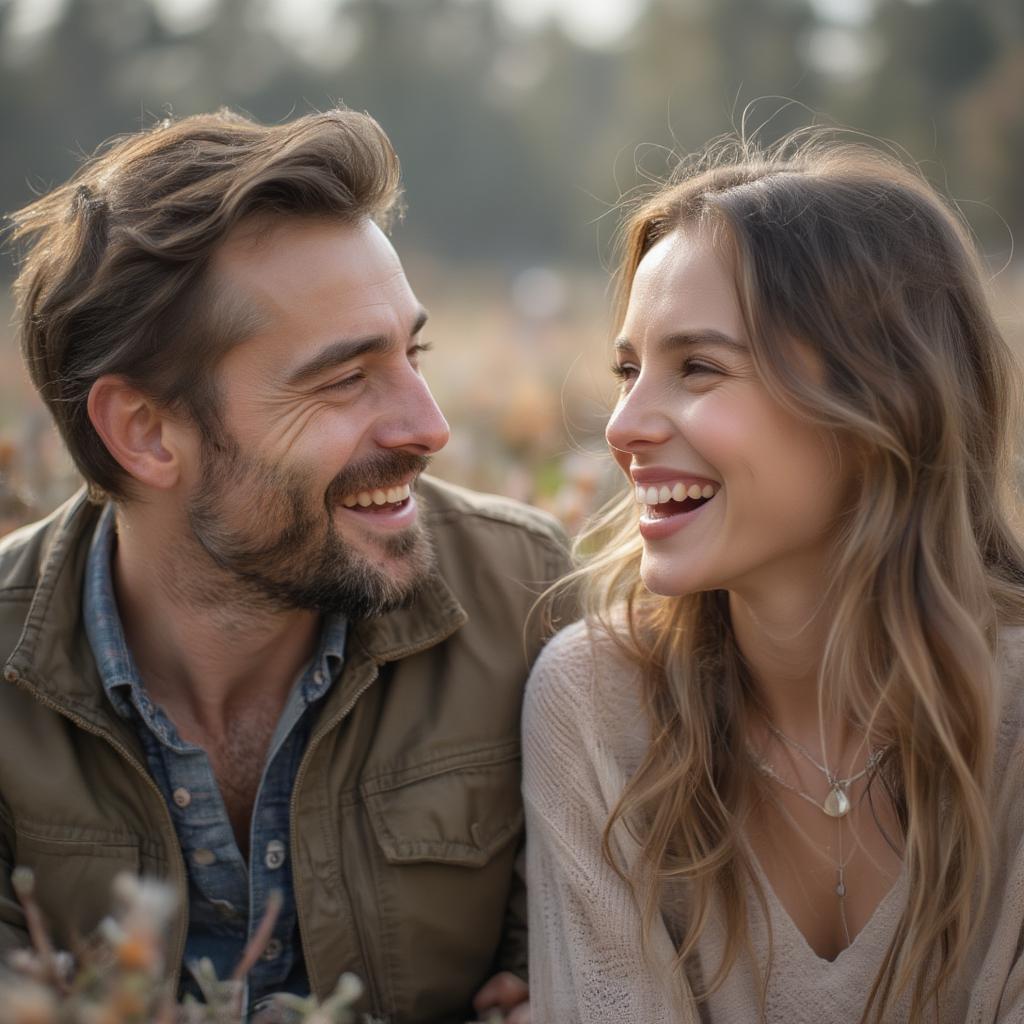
(260, 525)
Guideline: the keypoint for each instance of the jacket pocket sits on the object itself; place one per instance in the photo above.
(459, 810)
(74, 876)
(446, 843)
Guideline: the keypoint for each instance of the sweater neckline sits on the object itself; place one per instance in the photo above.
(874, 935)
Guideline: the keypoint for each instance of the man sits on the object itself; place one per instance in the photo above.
(263, 653)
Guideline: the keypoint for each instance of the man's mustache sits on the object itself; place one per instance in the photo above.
(376, 473)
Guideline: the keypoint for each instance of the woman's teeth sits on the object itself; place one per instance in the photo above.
(387, 496)
(661, 493)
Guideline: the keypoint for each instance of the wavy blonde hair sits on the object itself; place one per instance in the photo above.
(842, 248)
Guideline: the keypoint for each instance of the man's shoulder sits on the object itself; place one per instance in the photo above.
(474, 514)
(24, 557)
(23, 552)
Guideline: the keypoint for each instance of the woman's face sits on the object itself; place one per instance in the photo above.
(733, 491)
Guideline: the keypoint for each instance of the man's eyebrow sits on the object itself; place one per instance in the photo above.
(688, 339)
(339, 352)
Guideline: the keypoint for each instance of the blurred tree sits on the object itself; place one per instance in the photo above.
(516, 141)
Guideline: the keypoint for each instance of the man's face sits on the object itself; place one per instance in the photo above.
(305, 497)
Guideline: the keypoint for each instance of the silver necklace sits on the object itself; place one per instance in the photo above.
(837, 803)
(839, 865)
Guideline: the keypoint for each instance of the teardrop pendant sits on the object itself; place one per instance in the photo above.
(837, 803)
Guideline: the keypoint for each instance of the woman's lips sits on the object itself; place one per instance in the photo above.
(664, 519)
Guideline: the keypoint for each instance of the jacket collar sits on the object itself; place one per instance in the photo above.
(54, 658)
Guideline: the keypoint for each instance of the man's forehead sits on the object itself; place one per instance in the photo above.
(300, 268)
(262, 242)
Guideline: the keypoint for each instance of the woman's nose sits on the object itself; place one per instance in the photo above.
(638, 421)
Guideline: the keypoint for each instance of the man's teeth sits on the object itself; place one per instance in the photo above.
(677, 492)
(387, 496)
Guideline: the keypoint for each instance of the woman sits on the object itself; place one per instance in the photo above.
(774, 774)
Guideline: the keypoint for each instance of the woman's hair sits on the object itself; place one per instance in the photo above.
(841, 248)
(114, 278)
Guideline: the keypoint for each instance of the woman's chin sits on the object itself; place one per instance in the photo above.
(672, 577)
(664, 582)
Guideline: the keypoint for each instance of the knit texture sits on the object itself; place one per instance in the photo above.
(584, 734)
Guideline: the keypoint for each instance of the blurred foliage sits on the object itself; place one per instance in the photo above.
(120, 975)
(517, 139)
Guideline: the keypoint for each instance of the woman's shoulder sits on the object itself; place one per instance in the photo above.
(583, 658)
(585, 677)
(1010, 662)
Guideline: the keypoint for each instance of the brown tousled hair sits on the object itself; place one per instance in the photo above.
(842, 248)
(114, 279)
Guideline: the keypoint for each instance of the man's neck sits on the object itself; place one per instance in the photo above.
(204, 647)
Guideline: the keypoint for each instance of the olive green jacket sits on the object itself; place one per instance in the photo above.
(406, 818)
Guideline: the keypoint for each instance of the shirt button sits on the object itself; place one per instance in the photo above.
(318, 677)
(182, 797)
(204, 858)
(225, 909)
(273, 950)
(275, 854)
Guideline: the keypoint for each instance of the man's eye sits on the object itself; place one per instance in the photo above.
(418, 349)
(345, 382)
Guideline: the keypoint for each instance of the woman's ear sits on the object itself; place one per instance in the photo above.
(135, 430)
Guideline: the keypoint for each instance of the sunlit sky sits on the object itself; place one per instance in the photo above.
(589, 22)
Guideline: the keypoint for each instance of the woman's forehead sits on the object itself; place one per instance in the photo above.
(682, 284)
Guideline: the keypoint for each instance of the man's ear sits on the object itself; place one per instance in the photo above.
(137, 431)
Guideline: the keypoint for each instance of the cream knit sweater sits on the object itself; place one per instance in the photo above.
(583, 735)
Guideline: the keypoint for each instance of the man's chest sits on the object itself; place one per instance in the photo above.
(238, 759)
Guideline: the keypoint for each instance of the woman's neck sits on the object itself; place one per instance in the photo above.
(782, 641)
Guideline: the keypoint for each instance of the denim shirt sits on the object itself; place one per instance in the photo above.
(227, 897)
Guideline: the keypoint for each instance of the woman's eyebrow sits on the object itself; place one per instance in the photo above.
(687, 339)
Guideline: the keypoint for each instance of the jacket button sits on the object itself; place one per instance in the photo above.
(11, 675)
(275, 854)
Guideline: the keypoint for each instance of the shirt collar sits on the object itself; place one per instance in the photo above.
(118, 671)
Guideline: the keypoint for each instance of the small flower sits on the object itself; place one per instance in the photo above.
(28, 1004)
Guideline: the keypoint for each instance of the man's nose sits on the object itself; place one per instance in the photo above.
(638, 421)
(414, 422)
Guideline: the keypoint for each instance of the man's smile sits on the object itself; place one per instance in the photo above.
(378, 496)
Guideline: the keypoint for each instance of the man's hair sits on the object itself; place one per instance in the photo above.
(115, 277)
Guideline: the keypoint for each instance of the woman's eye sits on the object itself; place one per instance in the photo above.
(692, 366)
(625, 371)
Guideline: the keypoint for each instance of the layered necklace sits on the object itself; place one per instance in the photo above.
(836, 804)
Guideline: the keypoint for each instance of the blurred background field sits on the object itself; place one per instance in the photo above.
(519, 123)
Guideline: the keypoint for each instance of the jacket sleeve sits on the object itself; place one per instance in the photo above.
(587, 966)
(13, 934)
(555, 562)
(512, 956)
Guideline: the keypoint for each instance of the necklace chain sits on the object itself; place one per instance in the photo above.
(839, 865)
(874, 758)
(836, 805)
